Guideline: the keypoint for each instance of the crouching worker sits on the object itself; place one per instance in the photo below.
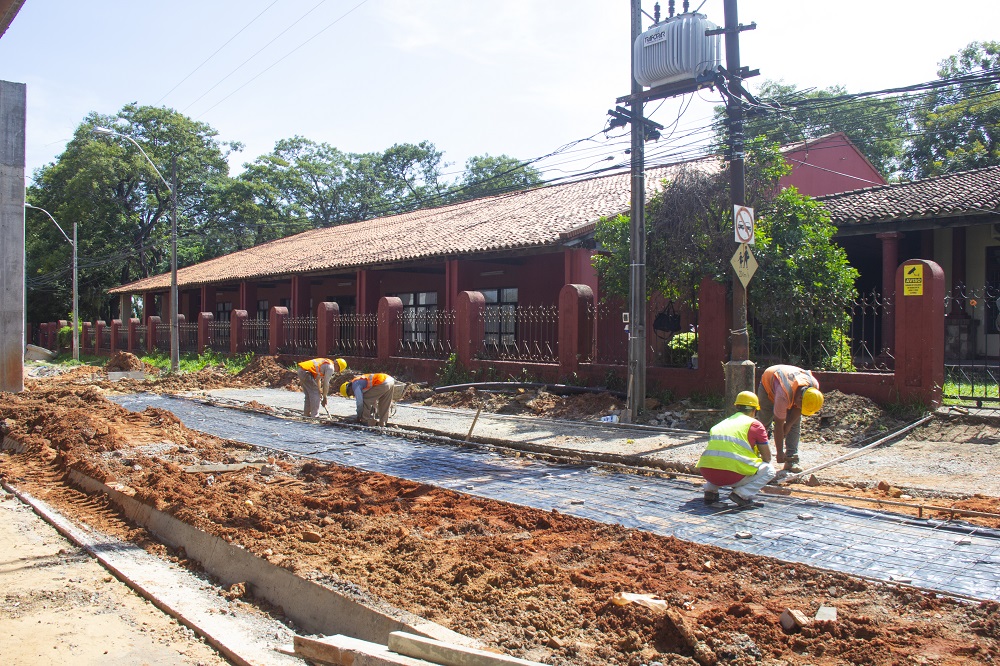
(373, 394)
(738, 455)
(314, 377)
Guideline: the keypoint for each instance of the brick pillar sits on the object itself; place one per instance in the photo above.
(84, 331)
(920, 332)
(133, 335)
(713, 334)
(43, 334)
(237, 331)
(470, 326)
(53, 341)
(390, 309)
(204, 331)
(575, 330)
(116, 325)
(152, 332)
(327, 328)
(276, 330)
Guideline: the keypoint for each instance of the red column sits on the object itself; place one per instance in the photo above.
(450, 283)
(116, 324)
(208, 298)
(327, 328)
(389, 310)
(890, 260)
(470, 326)
(575, 332)
(248, 296)
(713, 334)
(133, 335)
(148, 305)
(204, 330)
(579, 269)
(276, 329)
(367, 292)
(237, 331)
(920, 332)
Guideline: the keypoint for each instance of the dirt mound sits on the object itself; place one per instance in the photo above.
(123, 361)
(579, 407)
(268, 371)
(850, 420)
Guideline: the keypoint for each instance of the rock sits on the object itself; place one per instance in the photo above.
(826, 614)
(743, 535)
(883, 486)
(311, 537)
(895, 492)
(793, 620)
(555, 642)
(651, 404)
(812, 480)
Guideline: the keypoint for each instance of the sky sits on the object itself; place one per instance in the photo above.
(516, 77)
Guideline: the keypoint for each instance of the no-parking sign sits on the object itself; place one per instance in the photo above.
(743, 224)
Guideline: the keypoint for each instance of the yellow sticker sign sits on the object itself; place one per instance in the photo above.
(913, 280)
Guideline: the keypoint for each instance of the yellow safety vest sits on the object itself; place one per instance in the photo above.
(313, 365)
(729, 447)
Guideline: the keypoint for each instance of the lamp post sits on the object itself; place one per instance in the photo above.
(175, 355)
(76, 292)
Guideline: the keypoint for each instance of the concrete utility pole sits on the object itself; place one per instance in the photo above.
(13, 105)
(740, 369)
(637, 244)
(175, 306)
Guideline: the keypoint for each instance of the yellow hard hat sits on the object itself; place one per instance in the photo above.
(812, 401)
(747, 399)
(343, 388)
(340, 364)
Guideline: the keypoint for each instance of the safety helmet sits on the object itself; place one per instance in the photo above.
(747, 399)
(343, 388)
(340, 364)
(812, 401)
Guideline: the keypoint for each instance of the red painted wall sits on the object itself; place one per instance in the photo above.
(829, 165)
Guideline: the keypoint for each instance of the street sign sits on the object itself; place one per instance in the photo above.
(744, 264)
(743, 224)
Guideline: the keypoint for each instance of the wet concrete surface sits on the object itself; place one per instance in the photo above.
(951, 557)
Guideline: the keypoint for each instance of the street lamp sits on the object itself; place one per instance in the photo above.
(76, 292)
(175, 355)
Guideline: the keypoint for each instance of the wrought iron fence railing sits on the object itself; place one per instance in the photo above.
(610, 344)
(106, 338)
(972, 345)
(121, 343)
(358, 335)
(842, 336)
(300, 335)
(187, 340)
(219, 334)
(141, 336)
(163, 337)
(522, 333)
(258, 335)
(424, 333)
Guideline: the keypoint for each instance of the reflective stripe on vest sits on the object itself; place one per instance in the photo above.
(313, 365)
(792, 379)
(372, 380)
(729, 447)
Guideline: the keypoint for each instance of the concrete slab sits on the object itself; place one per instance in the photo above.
(346, 651)
(446, 654)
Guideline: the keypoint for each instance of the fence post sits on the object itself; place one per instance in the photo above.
(327, 328)
(43, 334)
(276, 330)
(133, 335)
(390, 309)
(98, 334)
(53, 341)
(152, 332)
(116, 325)
(84, 333)
(919, 301)
(575, 332)
(205, 320)
(470, 326)
(237, 331)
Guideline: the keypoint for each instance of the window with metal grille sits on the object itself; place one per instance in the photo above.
(501, 315)
(263, 307)
(418, 319)
(223, 311)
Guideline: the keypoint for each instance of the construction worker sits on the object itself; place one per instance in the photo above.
(738, 455)
(786, 394)
(373, 394)
(314, 377)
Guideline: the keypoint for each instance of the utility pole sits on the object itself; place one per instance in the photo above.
(740, 369)
(175, 347)
(637, 243)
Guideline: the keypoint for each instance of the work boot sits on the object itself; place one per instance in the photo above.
(792, 464)
(742, 502)
(711, 496)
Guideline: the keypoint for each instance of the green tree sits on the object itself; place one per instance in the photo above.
(957, 126)
(875, 126)
(121, 205)
(486, 174)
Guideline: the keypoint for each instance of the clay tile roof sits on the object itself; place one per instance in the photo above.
(541, 217)
(973, 192)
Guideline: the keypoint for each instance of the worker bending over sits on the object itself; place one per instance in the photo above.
(787, 393)
(314, 377)
(737, 455)
(373, 395)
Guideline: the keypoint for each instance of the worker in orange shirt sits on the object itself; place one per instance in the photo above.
(373, 395)
(786, 394)
(314, 377)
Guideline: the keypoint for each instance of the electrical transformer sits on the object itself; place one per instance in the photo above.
(675, 50)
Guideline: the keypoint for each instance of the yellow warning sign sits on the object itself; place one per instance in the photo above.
(913, 280)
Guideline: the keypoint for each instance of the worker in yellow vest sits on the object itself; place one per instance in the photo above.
(314, 377)
(786, 394)
(738, 455)
(373, 395)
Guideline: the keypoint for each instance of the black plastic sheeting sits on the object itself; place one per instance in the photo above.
(949, 557)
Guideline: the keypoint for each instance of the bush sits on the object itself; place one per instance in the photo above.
(64, 338)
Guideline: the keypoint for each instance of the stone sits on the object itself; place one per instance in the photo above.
(883, 486)
(311, 537)
(792, 620)
(743, 535)
(826, 614)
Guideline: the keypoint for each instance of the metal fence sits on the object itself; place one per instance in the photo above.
(972, 345)
(91, 340)
(140, 338)
(358, 335)
(258, 335)
(163, 337)
(840, 336)
(522, 333)
(121, 343)
(610, 344)
(425, 333)
(106, 338)
(300, 335)
(219, 333)
(188, 336)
